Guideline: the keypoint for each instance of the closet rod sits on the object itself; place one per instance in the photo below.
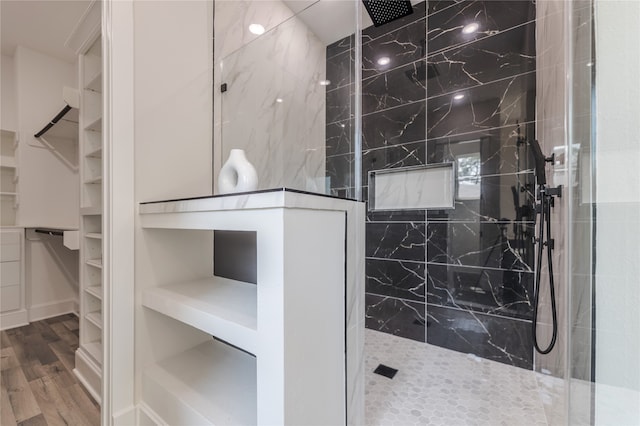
(57, 118)
(49, 232)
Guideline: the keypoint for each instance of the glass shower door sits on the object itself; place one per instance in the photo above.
(603, 111)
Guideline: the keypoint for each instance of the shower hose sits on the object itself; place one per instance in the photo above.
(545, 218)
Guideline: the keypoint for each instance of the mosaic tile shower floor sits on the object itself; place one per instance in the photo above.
(436, 386)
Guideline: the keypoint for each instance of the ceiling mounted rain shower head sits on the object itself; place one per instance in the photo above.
(385, 11)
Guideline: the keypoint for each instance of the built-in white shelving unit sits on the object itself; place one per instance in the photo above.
(9, 178)
(89, 355)
(223, 351)
(12, 290)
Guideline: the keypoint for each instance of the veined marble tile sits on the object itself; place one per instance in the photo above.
(406, 45)
(396, 316)
(410, 154)
(394, 126)
(232, 20)
(396, 279)
(501, 150)
(493, 17)
(506, 54)
(496, 104)
(492, 337)
(492, 291)
(274, 106)
(403, 241)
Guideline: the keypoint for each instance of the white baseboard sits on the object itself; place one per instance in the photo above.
(14, 319)
(52, 309)
(126, 417)
(148, 417)
(88, 374)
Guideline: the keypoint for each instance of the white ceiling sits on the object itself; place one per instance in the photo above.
(41, 25)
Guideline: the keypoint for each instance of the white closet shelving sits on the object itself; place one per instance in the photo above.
(278, 350)
(89, 354)
(9, 177)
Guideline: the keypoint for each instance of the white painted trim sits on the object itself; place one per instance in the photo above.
(119, 210)
(144, 409)
(126, 417)
(14, 319)
(86, 31)
(53, 309)
(88, 373)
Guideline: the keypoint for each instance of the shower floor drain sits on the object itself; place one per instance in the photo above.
(385, 371)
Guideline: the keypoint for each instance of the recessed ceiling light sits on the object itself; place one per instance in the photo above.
(470, 28)
(589, 64)
(385, 60)
(279, 100)
(458, 96)
(256, 29)
(324, 82)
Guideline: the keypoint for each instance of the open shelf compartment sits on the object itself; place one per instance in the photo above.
(211, 383)
(218, 306)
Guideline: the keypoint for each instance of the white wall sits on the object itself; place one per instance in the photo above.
(8, 119)
(48, 187)
(51, 276)
(284, 140)
(173, 73)
(173, 62)
(618, 211)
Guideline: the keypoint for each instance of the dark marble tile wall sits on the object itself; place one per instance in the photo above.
(460, 278)
(339, 151)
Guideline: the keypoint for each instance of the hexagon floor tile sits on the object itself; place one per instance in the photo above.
(437, 386)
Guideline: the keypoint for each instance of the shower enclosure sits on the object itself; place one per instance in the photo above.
(316, 107)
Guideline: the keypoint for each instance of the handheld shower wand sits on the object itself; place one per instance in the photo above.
(546, 202)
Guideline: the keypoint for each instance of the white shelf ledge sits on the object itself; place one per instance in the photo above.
(7, 162)
(96, 263)
(93, 181)
(95, 318)
(96, 153)
(90, 211)
(95, 291)
(211, 383)
(95, 126)
(93, 235)
(95, 82)
(218, 306)
(95, 350)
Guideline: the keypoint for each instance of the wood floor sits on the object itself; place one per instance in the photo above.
(37, 381)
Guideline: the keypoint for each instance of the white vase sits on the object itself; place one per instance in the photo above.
(237, 174)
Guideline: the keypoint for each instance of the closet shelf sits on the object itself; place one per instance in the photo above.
(7, 162)
(93, 235)
(90, 211)
(96, 263)
(95, 318)
(95, 350)
(95, 82)
(95, 125)
(211, 383)
(95, 291)
(93, 181)
(97, 153)
(218, 306)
